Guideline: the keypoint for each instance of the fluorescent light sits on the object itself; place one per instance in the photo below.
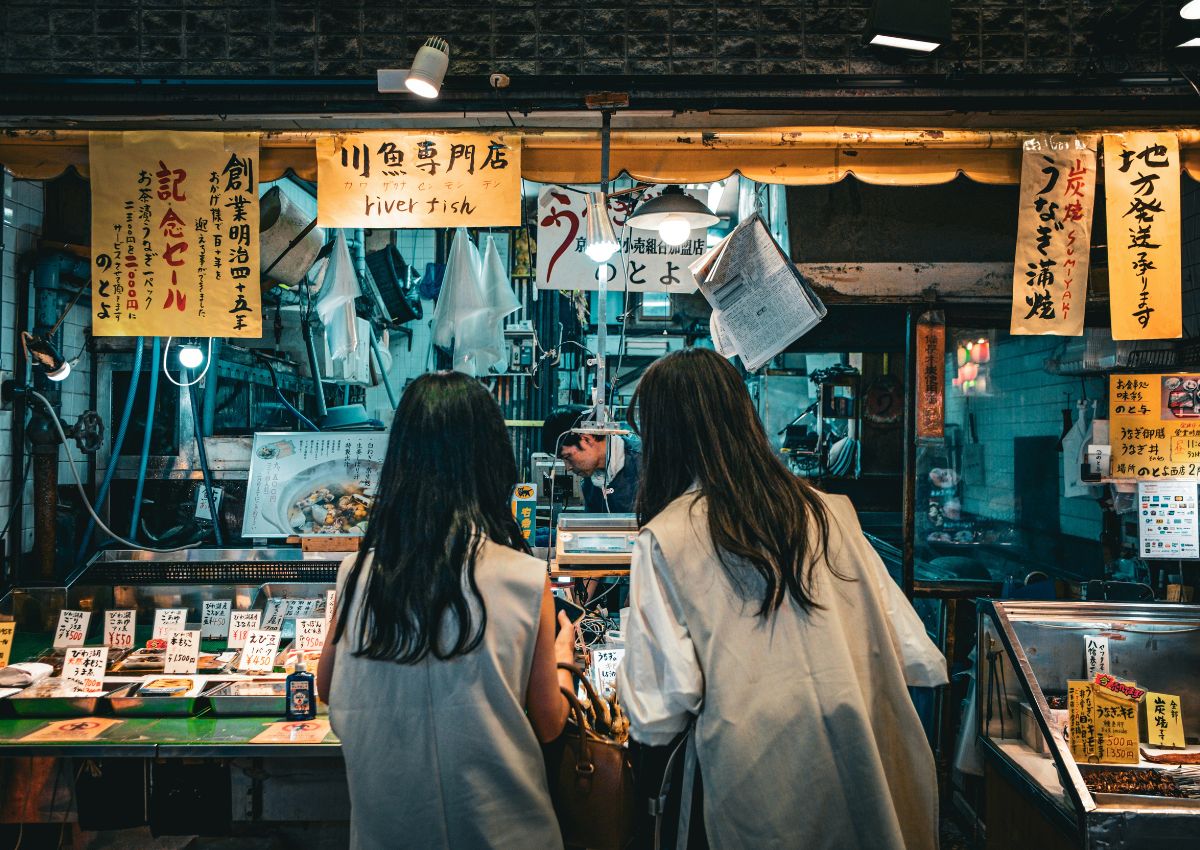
(904, 43)
(1191, 12)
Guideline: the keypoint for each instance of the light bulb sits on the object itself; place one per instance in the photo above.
(674, 230)
(1191, 11)
(421, 88)
(600, 252)
(190, 356)
(61, 373)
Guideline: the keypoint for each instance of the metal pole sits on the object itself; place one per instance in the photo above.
(600, 414)
(909, 500)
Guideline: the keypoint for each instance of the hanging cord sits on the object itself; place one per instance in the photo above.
(304, 420)
(83, 492)
(156, 346)
(202, 456)
(198, 378)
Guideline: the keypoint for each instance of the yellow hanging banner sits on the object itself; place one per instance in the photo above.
(1141, 189)
(175, 234)
(1054, 236)
(417, 178)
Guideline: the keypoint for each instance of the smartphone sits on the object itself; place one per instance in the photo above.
(574, 612)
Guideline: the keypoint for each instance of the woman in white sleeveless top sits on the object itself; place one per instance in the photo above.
(760, 612)
(440, 668)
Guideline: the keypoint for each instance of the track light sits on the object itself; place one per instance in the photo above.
(190, 355)
(601, 242)
(920, 26)
(429, 68)
(42, 354)
(675, 214)
(1190, 11)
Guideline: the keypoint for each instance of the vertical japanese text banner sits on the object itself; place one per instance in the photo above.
(1054, 236)
(414, 178)
(175, 234)
(1141, 188)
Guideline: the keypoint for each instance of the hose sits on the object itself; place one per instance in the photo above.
(118, 444)
(155, 349)
(202, 456)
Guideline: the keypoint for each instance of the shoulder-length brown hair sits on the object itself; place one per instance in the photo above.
(698, 426)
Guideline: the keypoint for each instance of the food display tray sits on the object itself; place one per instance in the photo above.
(40, 701)
(127, 702)
(224, 701)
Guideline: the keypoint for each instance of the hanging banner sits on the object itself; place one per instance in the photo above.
(644, 262)
(418, 178)
(1054, 236)
(1154, 426)
(175, 234)
(931, 375)
(1141, 189)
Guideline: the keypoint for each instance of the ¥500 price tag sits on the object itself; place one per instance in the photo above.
(72, 628)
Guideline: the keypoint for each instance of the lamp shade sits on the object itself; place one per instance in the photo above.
(674, 204)
(600, 242)
(429, 68)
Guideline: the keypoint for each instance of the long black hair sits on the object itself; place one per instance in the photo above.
(698, 426)
(446, 484)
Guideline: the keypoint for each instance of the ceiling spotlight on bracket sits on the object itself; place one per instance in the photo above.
(919, 26)
(42, 353)
(426, 75)
(1190, 10)
(674, 214)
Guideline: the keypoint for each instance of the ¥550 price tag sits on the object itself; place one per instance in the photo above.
(119, 625)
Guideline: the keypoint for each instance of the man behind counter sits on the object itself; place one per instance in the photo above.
(608, 466)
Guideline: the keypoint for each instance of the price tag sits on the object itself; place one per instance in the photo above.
(83, 669)
(167, 620)
(183, 649)
(604, 668)
(119, 625)
(72, 628)
(1095, 654)
(240, 625)
(258, 655)
(330, 607)
(1164, 720)
(214, 620)
(310, 634)
(6, 640)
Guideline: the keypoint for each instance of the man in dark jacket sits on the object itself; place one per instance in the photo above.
(608, 465)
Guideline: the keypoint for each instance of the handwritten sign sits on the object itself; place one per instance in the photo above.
(605, 662)
(1103, 724)
(83, 669)
(279, 610)
(1164, 720)
(72, 628)
(1141, 190)
(294, 732)
(119, 627)
(931, 375)
(214, 619)
(330, 607)
(310, 634)
(1154, 426)
(418, 178)
(258, 655)
(7, 629)
(175, 234)
(1054, 235)
(1112, 684)
(75, 729)
(1095, 654)
(644, 262)
(167, 620)
(241, 623)
(183, 650)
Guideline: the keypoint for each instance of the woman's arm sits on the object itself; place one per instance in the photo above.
(328, 659)
(544, 702)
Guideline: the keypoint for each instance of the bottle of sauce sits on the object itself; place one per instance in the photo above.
(301, 693)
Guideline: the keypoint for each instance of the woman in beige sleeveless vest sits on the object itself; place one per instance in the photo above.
(440, 668)
(760, 613)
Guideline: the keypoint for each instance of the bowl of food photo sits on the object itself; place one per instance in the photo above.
(327, 499)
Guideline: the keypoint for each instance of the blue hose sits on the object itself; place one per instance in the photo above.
(155, 351)
(118, 444)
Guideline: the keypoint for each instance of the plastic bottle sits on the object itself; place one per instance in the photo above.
(301, 693)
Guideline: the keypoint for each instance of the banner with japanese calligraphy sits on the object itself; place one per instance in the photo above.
(1141, 188)
(175, 234)
(415, 178)
(1154, 426)
(1054, 236)
(644, 264)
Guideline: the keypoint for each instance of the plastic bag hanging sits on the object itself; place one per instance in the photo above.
(339, 288)
(502, 301)
(461, 317)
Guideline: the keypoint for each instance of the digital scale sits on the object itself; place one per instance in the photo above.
(595, 539)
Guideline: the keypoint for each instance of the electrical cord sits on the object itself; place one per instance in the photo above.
(12, 512)
(304, 420)
(83, 492)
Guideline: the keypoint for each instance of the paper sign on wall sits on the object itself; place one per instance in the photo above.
(1167, 521)
(83, 669)
(119, 627)
(931, 375)
(214, 620)
(1141, 190)
(240, 625)
(1164, 720)
(1054, 233)
(1095, 655)
(167, 620)
(7, 629)
(1154, 426)
(175, 234)
(183, 651)
(310, 634)
(72, 628)
(258, 655)
(419, 178)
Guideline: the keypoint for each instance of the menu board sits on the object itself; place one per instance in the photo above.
(1155, 426)
(1103, 723)
(1167, 519)
(312, 484)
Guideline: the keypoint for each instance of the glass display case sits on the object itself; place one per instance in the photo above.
(1043, 796)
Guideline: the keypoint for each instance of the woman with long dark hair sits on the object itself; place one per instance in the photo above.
(762, 621)
(440, 669)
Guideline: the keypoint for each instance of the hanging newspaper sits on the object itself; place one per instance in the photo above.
(761, 303)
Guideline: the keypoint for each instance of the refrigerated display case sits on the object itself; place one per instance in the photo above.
(1038, 795)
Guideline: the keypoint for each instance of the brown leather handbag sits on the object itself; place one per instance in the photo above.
(593, 787)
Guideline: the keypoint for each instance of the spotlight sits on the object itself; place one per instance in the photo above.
(674, 214)
(429, 68)
(921, 26)
(41, 353)
(190, 355)
(601, 242)
(1190, 11)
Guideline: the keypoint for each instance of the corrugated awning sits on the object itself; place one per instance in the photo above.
(785, 155)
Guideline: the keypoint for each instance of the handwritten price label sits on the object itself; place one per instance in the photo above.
(72, 628)
(167, 620)
(330, 607)
(279, 610)
(240, 625)
(83, 669)
(6, 639)
(604, 668)
(310, 634)
(214, 622)
(183, 650)
(119, 625)
(258, 655)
